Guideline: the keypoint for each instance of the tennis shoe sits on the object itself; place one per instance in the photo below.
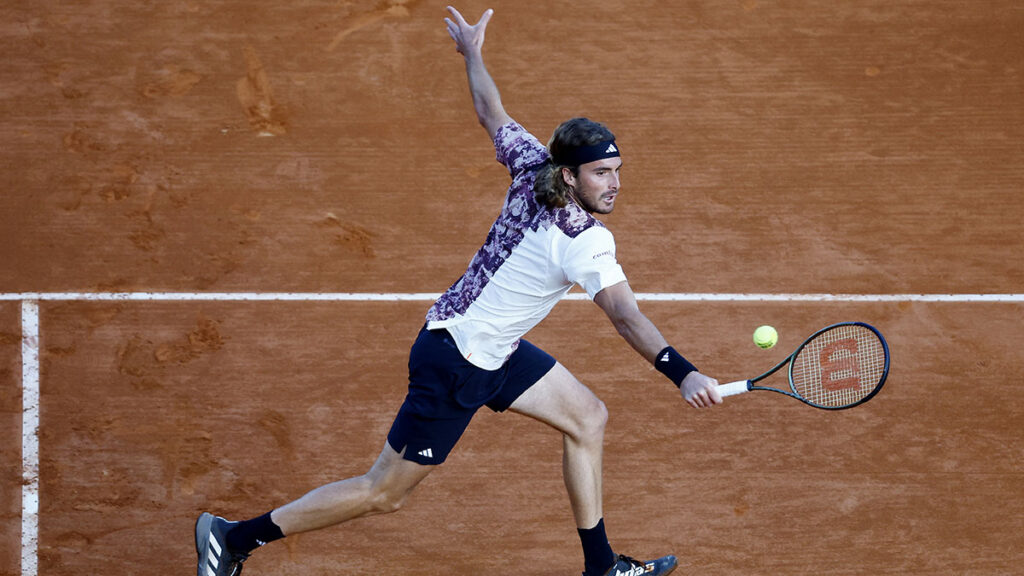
(626, 566)
(215, 559)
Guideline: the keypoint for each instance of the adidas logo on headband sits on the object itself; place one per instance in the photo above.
(585, 154)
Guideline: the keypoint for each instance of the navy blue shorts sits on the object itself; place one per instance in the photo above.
(445, 390)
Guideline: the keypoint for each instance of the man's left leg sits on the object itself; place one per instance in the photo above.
(561, 401)
(564, 403)
(223, 546)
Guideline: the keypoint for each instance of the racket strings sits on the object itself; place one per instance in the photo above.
(839, 367)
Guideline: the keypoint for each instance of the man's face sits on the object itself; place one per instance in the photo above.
(597, 184)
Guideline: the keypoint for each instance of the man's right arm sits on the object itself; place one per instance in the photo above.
(619, 303)
(469, 41)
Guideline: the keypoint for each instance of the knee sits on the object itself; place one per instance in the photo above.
(593, 421)
(385, 501)
(600, 416)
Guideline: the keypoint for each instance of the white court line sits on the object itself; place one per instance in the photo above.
(30, 438)
(30, 352)
(426, 296)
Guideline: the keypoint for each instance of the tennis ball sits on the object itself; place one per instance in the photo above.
(765, 337)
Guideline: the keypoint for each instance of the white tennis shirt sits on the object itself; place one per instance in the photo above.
(532, 256)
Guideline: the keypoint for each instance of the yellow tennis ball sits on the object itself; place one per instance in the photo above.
(765, 337)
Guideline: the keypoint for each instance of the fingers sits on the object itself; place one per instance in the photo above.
(460, 22)
(702, 392)
(698, 399)
(714, 395)
(458, 17)
(468, 39)
(702, 400)
(485, 18)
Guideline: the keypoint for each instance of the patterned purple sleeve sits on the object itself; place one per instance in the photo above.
(517, 149)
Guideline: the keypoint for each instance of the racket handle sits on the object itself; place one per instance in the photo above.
(733, 388)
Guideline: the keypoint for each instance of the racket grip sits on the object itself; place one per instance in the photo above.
(733, 388)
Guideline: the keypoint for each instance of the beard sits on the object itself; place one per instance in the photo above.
(594, 203)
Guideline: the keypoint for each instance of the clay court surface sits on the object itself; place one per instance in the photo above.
(804, 147)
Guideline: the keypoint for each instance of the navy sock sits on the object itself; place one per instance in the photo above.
(597, 552)
(251, 534)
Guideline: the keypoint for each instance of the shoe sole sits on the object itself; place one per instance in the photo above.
(672, 568)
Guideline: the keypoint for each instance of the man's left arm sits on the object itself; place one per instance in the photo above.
(619, 303)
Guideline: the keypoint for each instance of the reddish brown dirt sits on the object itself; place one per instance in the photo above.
(331, 146)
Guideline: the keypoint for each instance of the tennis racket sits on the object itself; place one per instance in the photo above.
(838, 367)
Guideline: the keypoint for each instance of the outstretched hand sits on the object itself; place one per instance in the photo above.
(467, 38)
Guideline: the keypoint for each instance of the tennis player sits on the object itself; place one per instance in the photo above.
(471, 352)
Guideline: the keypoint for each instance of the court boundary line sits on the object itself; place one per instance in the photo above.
(429, 296)
(30, 438)
(30, 335)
